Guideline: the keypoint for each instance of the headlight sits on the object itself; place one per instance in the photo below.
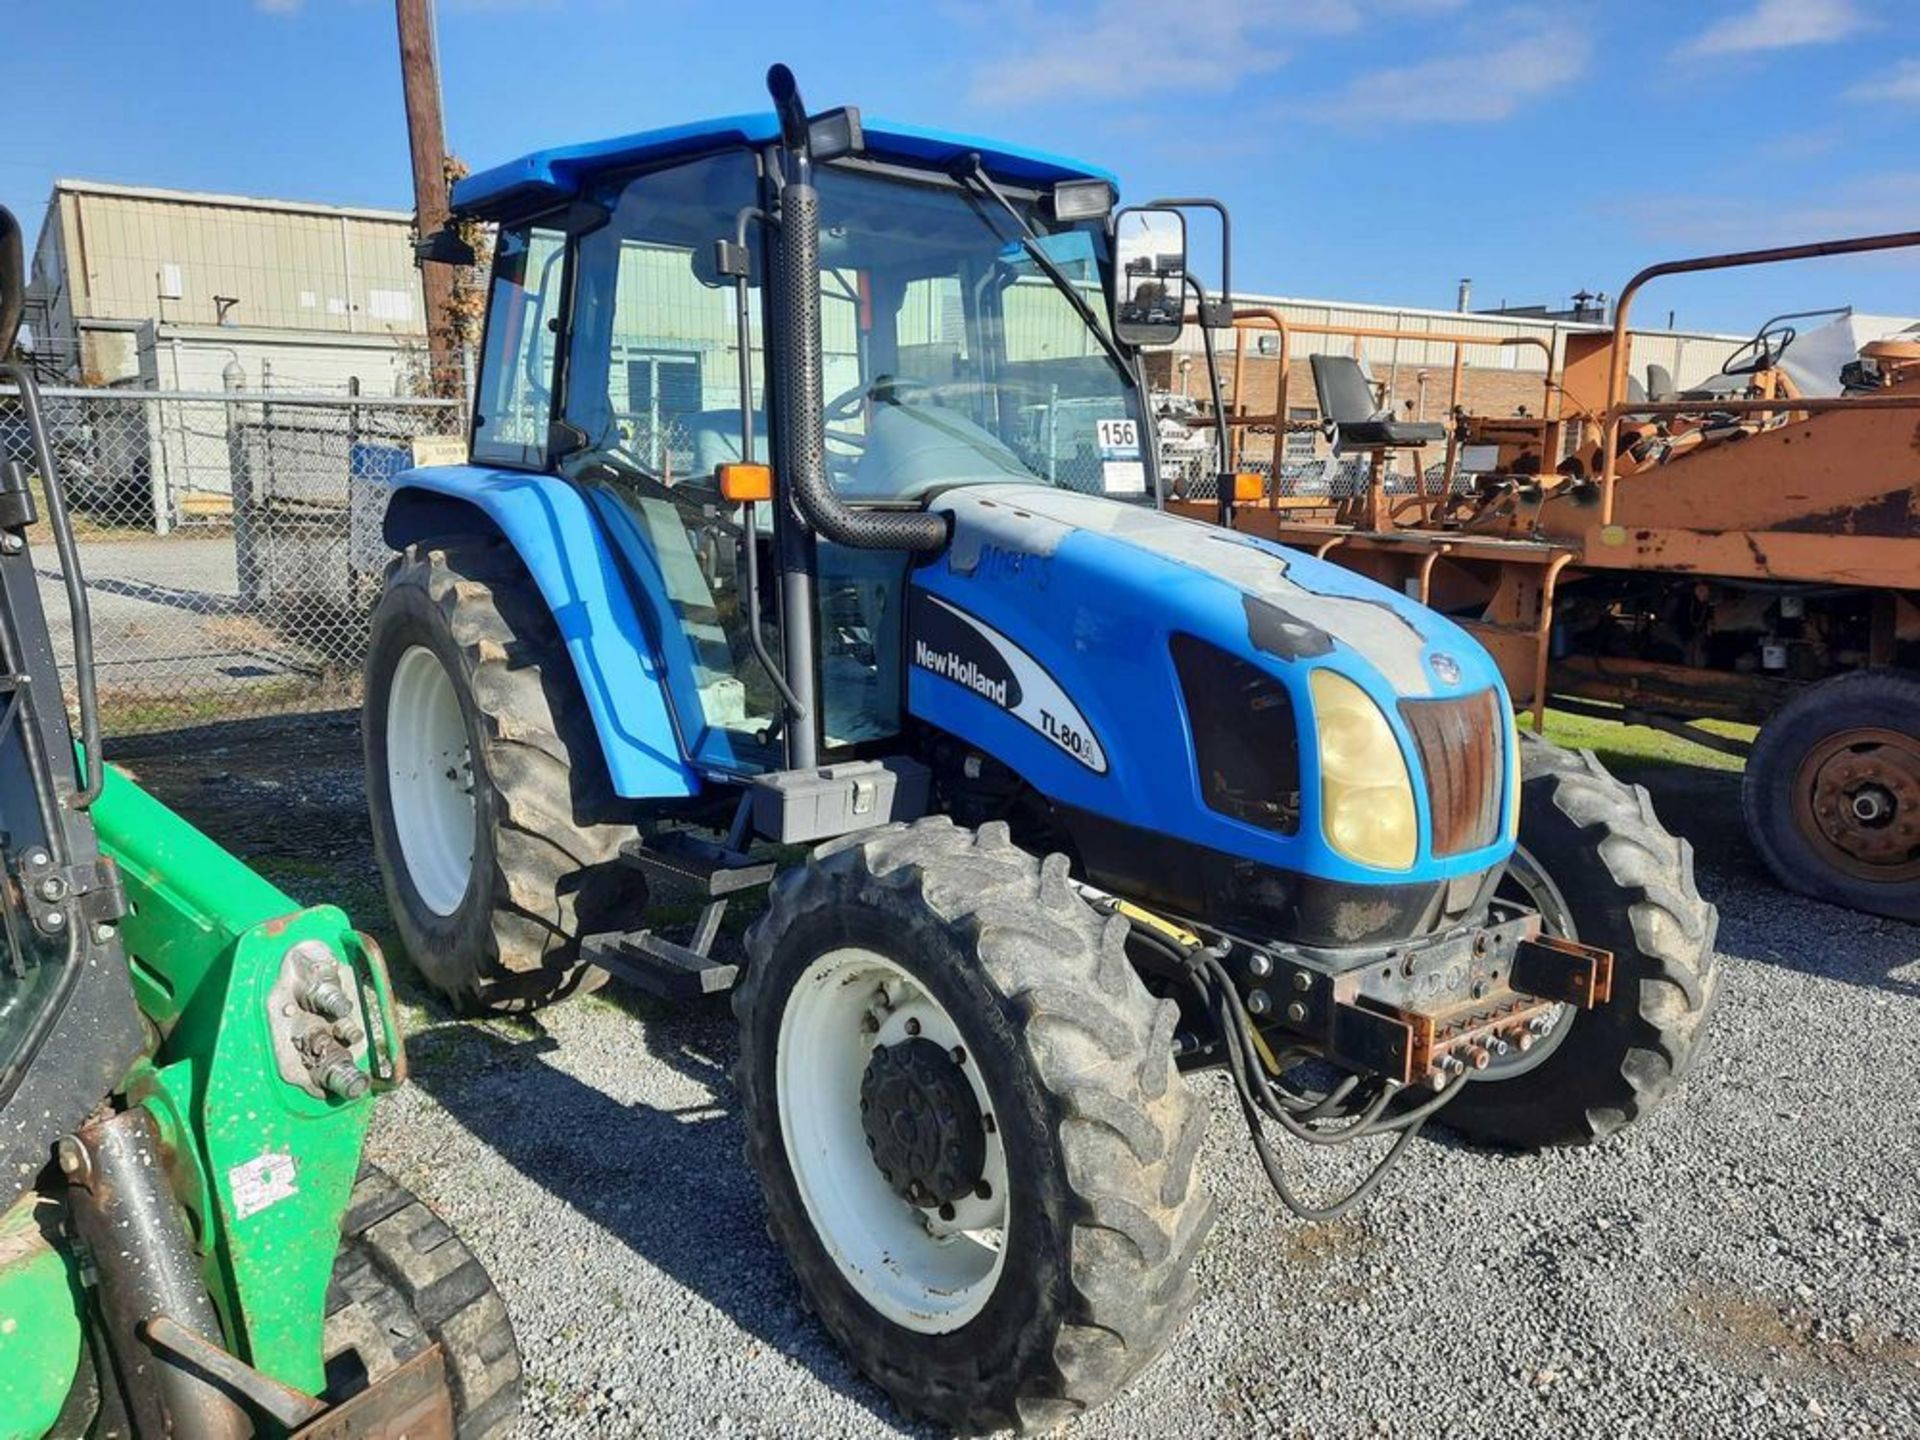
(1366, 795)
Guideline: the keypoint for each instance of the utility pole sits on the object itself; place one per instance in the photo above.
(427, 140)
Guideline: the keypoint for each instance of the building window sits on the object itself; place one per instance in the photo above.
(663, 389)
(1300, 443)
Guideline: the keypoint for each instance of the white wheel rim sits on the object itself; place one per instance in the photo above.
(918, 1270)
(430, 780)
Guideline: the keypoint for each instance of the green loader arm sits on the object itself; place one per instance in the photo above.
(272, 1164)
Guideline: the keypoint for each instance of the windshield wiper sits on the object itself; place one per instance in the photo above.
(973, 174)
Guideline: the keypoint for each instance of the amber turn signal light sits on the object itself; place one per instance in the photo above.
(1248, 487)
(741, 483)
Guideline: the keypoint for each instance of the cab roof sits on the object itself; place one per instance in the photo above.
(554, 176)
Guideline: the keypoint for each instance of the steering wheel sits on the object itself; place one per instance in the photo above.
(881, 387)
(1763, 352)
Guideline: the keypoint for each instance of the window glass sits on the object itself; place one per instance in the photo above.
(654, 396)
(516, 368)
(32, 964)
(953, 356)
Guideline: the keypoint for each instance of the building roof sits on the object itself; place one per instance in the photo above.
(554, 175)
(229, 202)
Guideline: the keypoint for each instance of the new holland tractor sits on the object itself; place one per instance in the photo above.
(812, 500)
(189, 1244)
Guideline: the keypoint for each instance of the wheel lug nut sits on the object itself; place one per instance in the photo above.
(946, 1212)
(959, 1053)
(983, 1190)
(913, 1027)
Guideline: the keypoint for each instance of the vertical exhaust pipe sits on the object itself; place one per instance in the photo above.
(805, 453)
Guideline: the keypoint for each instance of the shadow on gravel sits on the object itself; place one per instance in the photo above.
(669, 1184)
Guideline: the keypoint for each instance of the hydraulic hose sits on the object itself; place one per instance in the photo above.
(805, 424)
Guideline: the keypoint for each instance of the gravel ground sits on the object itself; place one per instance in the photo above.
(1746, 1262)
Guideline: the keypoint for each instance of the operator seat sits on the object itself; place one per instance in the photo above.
(1660, 384)
(1346, 403)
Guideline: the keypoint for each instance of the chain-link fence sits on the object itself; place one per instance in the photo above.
(1188, 469)
(230, 541)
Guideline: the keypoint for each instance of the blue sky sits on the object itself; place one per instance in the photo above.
(1370, 149)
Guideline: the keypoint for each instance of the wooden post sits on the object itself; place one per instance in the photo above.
(427, 142)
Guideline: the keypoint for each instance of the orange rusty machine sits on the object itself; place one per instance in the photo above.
(1749, 551)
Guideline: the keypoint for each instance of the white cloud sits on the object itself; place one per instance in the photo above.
(1900, 86)
(1877, 204)
(279, 7)
(1780, 25)
(1118, 49)
(1475, 88)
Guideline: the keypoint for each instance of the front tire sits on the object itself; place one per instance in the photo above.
(494, 824)
(1069, 1065)
(1601, 869)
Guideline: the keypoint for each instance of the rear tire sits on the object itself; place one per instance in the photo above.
(403, 1281)
(1853, 740)
(489, 900)
(1602, 870)
(1102, 1214)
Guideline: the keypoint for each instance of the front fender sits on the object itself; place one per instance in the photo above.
(557, 537)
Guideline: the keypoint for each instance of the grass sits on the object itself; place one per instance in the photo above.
(131, 711)
(1640, 747)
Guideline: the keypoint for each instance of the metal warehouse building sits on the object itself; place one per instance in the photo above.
(174, 289)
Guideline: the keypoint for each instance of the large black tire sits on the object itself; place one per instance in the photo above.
(403, 1281)
(1605, 872)
(546, 821)
(1100, 1131)
(1865, 728)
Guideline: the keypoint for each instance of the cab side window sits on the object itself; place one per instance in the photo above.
(515, 397)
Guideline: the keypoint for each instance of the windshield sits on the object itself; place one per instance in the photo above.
(951, 357)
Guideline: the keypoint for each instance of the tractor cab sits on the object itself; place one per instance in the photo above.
(963, 341)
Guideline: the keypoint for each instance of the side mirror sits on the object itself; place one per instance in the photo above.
(443, 247)
(1150, 276)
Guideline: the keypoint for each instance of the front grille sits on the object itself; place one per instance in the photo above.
(1459, 745)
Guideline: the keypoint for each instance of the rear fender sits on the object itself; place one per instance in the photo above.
(559, 540)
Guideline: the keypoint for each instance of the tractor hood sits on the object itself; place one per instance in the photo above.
(1282, 604)
(1045, 637)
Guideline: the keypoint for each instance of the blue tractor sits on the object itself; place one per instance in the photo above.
(813, 499)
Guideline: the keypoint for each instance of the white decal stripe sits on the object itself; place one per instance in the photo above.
(1043, 706)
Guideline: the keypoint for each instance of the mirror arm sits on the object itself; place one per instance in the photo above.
(1222, 480)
